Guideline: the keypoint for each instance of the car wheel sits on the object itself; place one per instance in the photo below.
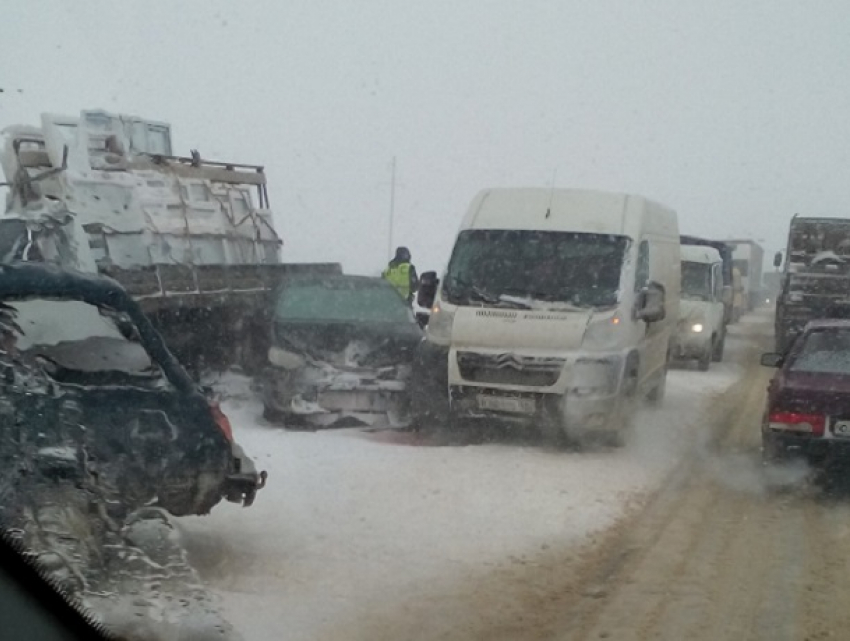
(719, 347)
(704, 361)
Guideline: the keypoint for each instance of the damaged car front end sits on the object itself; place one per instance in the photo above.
(89, 389)
(342, 351)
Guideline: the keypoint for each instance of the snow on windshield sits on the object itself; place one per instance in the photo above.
(824, 352)
(77, 336)
(576, 268)
(696, 280)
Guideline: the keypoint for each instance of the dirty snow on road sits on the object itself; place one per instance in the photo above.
(354, 521)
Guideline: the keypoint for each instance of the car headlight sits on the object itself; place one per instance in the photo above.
(285, 359)
(697, 328)
(439, 328)
(595, 377)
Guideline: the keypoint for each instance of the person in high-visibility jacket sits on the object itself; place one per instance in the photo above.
(401, 274)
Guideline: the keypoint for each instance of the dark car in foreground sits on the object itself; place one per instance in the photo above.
(342, 349)
(808, 402)
(90, 391)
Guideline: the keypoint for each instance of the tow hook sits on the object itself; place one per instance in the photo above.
(244, 487)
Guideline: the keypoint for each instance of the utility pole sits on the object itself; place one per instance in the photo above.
(392, 214)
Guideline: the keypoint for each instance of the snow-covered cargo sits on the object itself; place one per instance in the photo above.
(193, 240)
(748, 256)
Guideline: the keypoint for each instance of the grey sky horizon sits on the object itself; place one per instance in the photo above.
(729, 112)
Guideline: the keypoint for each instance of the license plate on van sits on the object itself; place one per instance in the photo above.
(507, 404)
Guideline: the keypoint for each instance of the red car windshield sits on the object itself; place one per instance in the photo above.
(823, 352)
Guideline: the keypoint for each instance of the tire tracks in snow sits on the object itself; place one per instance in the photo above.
(660, 572)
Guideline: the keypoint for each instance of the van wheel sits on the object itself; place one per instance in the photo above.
(656, 394)
(719, 346)
(704, 361)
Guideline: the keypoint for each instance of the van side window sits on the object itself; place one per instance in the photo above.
(642, 270)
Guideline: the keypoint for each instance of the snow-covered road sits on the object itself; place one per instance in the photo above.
(355, 522)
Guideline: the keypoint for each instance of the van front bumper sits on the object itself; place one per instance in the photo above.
(583, 413)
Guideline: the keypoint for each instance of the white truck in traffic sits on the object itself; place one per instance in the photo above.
(193, 241)
(701, 333)
(558, 310)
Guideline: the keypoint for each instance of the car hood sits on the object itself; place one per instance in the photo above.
(350, 345)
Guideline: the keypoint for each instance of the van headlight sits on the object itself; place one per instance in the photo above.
(603, 334)
(595, 376)
(697, 328)
(439, 328)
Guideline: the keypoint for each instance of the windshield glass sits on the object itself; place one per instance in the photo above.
(824, 352)
(73, 336)
(342, 301)
(812, 242)
(564, 267)
(696, 281)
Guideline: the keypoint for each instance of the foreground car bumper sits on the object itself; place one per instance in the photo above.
(242, 485)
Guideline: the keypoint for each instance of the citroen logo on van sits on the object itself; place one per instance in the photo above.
(508, 360)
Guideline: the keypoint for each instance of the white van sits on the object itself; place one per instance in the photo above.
(558, 309)
(701, 333)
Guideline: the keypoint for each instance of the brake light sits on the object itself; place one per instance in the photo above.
(813, 424)
(221, 420)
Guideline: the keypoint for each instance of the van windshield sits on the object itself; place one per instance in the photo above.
(505, 267)
(696, 281)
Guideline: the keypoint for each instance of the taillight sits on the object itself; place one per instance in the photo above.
(221, 420)
(813, 424)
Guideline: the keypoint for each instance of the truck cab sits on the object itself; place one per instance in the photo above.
(557, 309)
(701, 332)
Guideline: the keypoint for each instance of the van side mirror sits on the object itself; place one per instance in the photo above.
(777, 259)
(771, 360)
(428, 284)
(726, 295)
(650, 303)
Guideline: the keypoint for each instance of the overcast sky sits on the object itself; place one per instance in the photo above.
(733, 113)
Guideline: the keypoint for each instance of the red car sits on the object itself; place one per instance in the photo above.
(808, 401)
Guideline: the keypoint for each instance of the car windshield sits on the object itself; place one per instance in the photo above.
(823, 352)
(342, 301)
(501, 267)
(814, 242)
(77, 337)
(696, 281)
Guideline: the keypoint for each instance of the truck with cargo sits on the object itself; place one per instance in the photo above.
(192, 240)
(748, 256)
(815, 281)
